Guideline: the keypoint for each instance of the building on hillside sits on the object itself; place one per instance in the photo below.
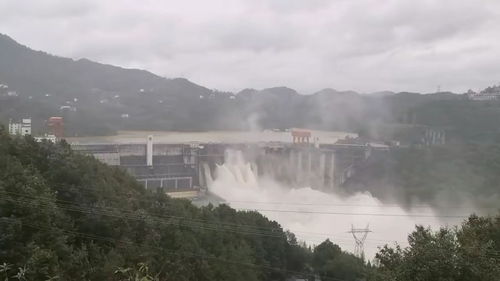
(56, 125)
(488, 94)
(3, 89)
(22, 128)
(49, 138)
(300, 136)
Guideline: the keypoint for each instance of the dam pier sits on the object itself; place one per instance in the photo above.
(186, 169)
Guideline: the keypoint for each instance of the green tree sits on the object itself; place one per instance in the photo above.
(329, 261)
(461, 254)
(67, 216)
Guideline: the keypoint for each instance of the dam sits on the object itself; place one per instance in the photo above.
(298, 184)
(187, 167)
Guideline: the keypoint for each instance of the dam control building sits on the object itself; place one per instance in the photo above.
(189, 167)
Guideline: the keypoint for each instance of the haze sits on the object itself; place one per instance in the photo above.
(363, 45)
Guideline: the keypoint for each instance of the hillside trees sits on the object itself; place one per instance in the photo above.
(469, 253)
(67, 216)
(332, 263)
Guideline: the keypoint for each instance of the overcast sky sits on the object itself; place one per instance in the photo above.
(363, 45)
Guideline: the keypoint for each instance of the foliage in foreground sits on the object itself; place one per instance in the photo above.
(469, 253)
(66, 216)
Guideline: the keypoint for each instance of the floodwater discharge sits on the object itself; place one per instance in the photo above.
(314, 215)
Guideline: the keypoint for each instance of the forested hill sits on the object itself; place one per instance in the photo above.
(99, 94)
(66, 216)
(38, 73)
(98, 99)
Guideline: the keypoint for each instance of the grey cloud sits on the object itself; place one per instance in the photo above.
(45, 9)
(256, 36)
(290, 6)
(365, 45)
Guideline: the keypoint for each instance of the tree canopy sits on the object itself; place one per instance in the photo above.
(66, 216)
(468, 253)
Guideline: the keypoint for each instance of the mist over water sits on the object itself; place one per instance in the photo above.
(315, 215)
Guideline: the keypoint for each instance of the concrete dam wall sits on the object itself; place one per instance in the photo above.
(188, 167)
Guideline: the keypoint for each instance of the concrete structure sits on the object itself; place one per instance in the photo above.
(167, 166)
(14, 128)
(50, 138)
(56, 125)
(190, 167)
(3, 89)
(300, 136)
(149, 151)
(22, 128)
(488, 94)
(433, 136)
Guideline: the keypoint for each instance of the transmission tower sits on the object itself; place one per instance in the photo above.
(360, 235)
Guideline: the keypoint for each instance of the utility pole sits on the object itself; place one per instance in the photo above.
(359, 235)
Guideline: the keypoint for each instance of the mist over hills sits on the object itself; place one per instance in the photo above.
(98, 99)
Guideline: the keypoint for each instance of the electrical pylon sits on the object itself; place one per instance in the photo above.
(360, 235)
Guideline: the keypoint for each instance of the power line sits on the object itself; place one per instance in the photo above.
(176, 221)
(263, 210)
(98, 209)
(188, 223)
(320, 204)
(259, 230)
(357, 214)
(383, 205)
(493, 253)
(195, 224)
(169, 251)
(202, 224)
(359, 249)
(185, 222)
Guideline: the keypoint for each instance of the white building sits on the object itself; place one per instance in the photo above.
(14, 128)
(4, 89)
(50, 138)
(490, 93)
(22, 128)
(485, 97)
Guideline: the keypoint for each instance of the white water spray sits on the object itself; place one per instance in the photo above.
(314, 215)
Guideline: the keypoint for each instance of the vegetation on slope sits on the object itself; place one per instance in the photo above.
(98, 99)
(66, 216)
(468, 253)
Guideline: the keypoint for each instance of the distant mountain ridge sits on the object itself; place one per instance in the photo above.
(99, 99)
(40, 70)
(32, 72)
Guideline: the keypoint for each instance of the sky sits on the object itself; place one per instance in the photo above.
(308, 45)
